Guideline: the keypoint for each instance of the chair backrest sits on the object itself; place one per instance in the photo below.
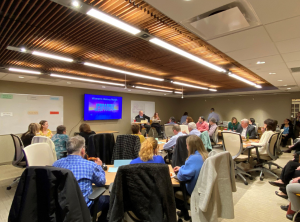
(184, 128)
(271, 146)
(232, 142)
(215, 136)
(279, 141)
(43, 139)
(206, 140)
(39, 154)
(104, 145)
(153, 133)
(168, 130)
(180, 152)
(18, 144)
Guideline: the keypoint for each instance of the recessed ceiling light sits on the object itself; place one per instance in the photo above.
(165, 94)
(289, 88)
(280, 80)
(103, 87)
(68, 82)
(24, 71)
(260, 62)
(129, 90)
(148, 92)
(21, 77)
(76, 4)
(272, 73)
(23, 49)
(284, 85)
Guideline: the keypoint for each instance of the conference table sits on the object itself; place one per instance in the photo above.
(108, 131)
(245, 143)
(110, 176)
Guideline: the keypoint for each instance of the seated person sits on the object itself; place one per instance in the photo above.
(85, 131)
(197, 154)
(60, 140)
(172, 142)
(188, 120)
(33, 130)
(148, 152)
(295, 147)
(263, 142)
(288, 132)
(246, 130)
(183, 118)
(291, 170)
(292, 190)
(202, 125)
(135, 128)
(233, 125)
(142, 116)
(44, 131)
(252, 122)
(171, 121)
(156, 123)
(212, 127)
(192, 129)
(86, 173)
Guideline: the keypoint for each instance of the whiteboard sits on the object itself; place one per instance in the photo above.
(147, 107)
(17, 111)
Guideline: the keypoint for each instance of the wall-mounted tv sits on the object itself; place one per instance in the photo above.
(98, 107)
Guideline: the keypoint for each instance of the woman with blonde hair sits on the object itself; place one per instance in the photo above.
(44, 131)
(148, 152)
(197, 154)
(33, 130)
(156, 123)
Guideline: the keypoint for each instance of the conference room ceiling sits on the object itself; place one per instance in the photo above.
(52, 28)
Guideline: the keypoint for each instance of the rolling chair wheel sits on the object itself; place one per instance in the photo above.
(261, 179)
(246, 183)
(8, 188)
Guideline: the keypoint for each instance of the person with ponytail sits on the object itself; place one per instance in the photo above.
(148, 152)
(33, 130)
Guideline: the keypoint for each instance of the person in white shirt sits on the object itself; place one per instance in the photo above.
(193, 129)
(263, 142)
(172, 142)
(156, 123)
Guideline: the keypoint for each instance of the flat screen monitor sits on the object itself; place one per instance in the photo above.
(98, 107)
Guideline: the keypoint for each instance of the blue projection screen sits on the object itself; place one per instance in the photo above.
(102, 107)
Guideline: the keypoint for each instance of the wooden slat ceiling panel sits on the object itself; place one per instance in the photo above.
(48, 27)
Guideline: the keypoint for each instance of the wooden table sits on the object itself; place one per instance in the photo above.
(245, 143)
(161, 145)
(110, 177)
(107, 132)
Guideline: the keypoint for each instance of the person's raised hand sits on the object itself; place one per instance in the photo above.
(176, 169)
(98, 162)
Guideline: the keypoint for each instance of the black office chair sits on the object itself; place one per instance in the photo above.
(104, 145)
(180, 153)
(33, 200)
(19, 159)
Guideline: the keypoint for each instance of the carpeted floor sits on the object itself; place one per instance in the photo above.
(255, 202)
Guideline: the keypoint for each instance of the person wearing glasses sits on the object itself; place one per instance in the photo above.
(86, 173)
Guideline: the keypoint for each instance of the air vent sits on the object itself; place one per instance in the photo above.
(295, 69)
(233, 17)
(144, 35)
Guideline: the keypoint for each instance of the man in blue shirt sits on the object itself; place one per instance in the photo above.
(171, 121)
(86, 173)
(193, 129)
(213, 115)
(172, 142)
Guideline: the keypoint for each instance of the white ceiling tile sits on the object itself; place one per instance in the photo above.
(285, 29)
(242, 40)
(258, 51)
(182, 10)
(292, 56)
(293, 64)
(296, 76)
(275, 10)
(270, 61)
(15, 77)
(279, 72)
(268, 68)
(291, 45)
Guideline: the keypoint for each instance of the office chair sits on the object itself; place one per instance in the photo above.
(184, 128)
(168, 131)
(180, 153)
(18, 160)
(266, 158)
(232, 142)
(39, 154)
(104, 144)
(43, 139)
(33, 200)
(215, 137)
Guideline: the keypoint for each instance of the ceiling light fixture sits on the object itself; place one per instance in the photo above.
(214, 90)
(23, 49)
(185, 54)
(280, 80)
(259, 62)
(113, 21)
(121, 71)
(258, 86)
(177, 92)
(24, 71)
(159, 90)
(272, 73)
(241, 79)
(21, 77)
(86, 80)
(75, 4)
(184, 84)
(289, 88)
(52, 56)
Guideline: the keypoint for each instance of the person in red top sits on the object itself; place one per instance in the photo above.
(202, 125)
